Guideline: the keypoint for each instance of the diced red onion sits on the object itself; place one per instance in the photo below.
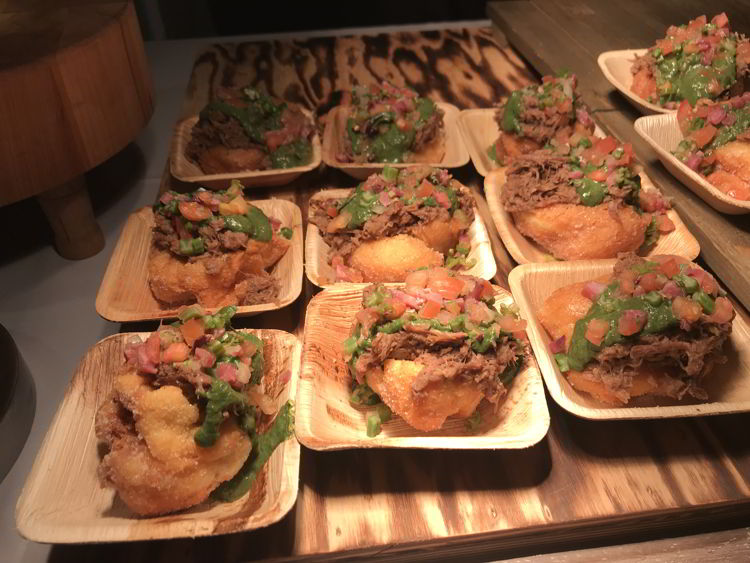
(729, 119)
(444, 177)
(694, 160)
(558, 345)
(385, 199)
(703, 45)
(445, 317)
(166, 198)
(583, 117)
(592, 290)
(430, 296)
(671, 290)
(612, 179)
(145, 365)
(409, 300)
(707, 57)
(746, 96)
(285, 376)
(716, 114)
(738, 102)
(205, 357)
(575, 174)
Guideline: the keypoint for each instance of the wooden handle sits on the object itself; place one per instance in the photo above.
(68, 210)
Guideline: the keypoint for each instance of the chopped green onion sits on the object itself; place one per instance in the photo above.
(562, 362)
(473, 422)
(373, 425)
(690, 285)
(390, 173)
(653, 298)
(384, 412)
(286, 232)
(363, 395)
(705, 301)
(190, 313)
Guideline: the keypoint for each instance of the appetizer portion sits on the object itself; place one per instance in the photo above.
(694, 61)
(214, 248)
(395, 222)
(433, 349)
(185, 416)
(583, 200)
(716, 143)
(387, 123)
(655, 327)
(537, 114)
(247, 130)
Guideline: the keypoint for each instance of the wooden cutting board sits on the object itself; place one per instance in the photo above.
(586, 482)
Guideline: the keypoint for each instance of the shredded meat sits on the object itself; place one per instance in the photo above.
(538, 180)
(396, 219)
(540, 124)
(260, 288)
(444, 355)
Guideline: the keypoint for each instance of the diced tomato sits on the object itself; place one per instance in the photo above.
(702, 109)
(631, 321)
(511, 324)
(192, 330)
(720, 20)
(153, 347)
(332, 211)
(416, 280)
(425, 189)
(605, 146)
(339, 222)
(395, 308)
(686, 309)
(743, 52)
(442, 199)
(684, 113)
(704, 135)
(176, 352)
(194, 211)
(430, 310)
(403, 124)
(627, 155)
(596, 330)
(487, 290)
(665, 45)
(723, 313)
(664, 224)
(447, 288)
(227, 372)
(598, 175)
(652, 281)
(709, 285)
(565, 106)
(669, 268)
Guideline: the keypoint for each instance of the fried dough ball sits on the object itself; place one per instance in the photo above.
(153, 460)
(578, 232)
(558, 315)
(439, 235)
(733, 174)
(392, 258)
(214, 281)
(219, 159)
(428, 409)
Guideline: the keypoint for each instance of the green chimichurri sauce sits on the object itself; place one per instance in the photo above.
(256, 118)
(591, 192)
(296, 153)
(262, 448)
(610, 308)
(511, 122)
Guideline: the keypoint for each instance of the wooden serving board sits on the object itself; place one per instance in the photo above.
(571, 35)
(585, 483)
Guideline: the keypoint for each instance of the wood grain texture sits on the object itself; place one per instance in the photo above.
(455, 154)
(663, 133)
(63, 502)
(125, 296)
(615, 66)
(571, 34)
(319, 271)
(728, 386)
(184, 170)
(76, 89)
(326, 420)
(526, 251)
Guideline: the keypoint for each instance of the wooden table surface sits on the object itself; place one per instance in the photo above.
(585, 481)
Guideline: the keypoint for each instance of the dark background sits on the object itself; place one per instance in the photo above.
(179, 19)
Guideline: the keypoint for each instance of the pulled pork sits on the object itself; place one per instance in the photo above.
(538, 180)
(444, 355)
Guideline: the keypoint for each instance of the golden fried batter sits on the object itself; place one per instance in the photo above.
(428, 409)
(732, 175)
(220, 159)
(212, 281)
(390, 259)
(154, 462)
(578, 232)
